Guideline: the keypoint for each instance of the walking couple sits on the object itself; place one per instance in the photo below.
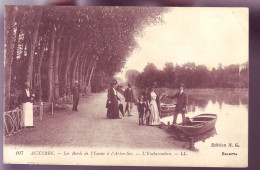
(112, 101)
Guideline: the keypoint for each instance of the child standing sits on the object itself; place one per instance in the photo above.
(141, 108)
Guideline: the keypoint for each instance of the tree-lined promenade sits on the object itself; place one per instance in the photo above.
(51, 47)
(90, 128)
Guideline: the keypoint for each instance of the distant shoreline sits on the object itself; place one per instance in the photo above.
(193, 90)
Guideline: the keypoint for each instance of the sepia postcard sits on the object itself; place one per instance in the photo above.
(126, 86)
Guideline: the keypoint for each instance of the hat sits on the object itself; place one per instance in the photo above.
(113, 82)
(140, 97)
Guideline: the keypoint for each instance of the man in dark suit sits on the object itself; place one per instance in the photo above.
(181, 104)
(75, 93)
(27, 94)
(129, 98)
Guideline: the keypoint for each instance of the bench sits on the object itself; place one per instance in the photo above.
(60, 104)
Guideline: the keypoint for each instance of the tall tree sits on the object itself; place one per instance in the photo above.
(37, 12)
(50, 65)
(56, 65)
(11, 12)
(131, 75)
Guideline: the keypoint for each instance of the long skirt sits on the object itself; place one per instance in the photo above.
(27, 116)
(154, 117)
(113, 110)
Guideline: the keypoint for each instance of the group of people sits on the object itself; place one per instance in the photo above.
(148, 104)
(148, 107)
(27, 98)
(112, 101)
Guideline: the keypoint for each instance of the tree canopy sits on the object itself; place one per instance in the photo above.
(131, 75)
(194, 76)
(52, 46)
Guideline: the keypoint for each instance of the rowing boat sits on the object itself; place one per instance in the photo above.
(198, 124)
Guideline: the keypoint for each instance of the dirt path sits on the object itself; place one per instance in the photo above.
(90, 128)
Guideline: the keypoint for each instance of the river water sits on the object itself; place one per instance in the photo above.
(231, 107)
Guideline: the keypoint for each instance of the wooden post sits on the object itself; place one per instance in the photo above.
(52, 108)
(19, 116)
(41, 110)
(191, 143)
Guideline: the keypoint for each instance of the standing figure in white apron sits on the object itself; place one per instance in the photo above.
(27, 99)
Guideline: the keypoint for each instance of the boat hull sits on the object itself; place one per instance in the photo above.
(198, 125)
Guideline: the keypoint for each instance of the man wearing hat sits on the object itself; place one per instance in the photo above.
(75, 93)
(129, 98)
(181, 104)
(27, 95)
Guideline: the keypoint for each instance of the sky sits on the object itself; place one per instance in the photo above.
(207, 36)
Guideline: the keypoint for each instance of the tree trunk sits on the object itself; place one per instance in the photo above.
(75, 65)
(61, 60)
(14, 64)
(56, 68)
(90, 76)
(38, 71)
(34, 35)
(50, 66)
(74, 68)
(11, 12)
(65, 85)
(68, 83)
(67, 73)
(81, 73)
(87, 74)
(23, 46)
(62, 65)
(77, 72)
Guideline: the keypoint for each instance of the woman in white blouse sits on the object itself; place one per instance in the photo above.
(154, 117)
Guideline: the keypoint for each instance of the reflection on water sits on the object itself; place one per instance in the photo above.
(198, 138)
(200, 100)
(231, 107)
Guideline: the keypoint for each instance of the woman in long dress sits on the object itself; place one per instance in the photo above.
(112, 102)
(154, 117)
